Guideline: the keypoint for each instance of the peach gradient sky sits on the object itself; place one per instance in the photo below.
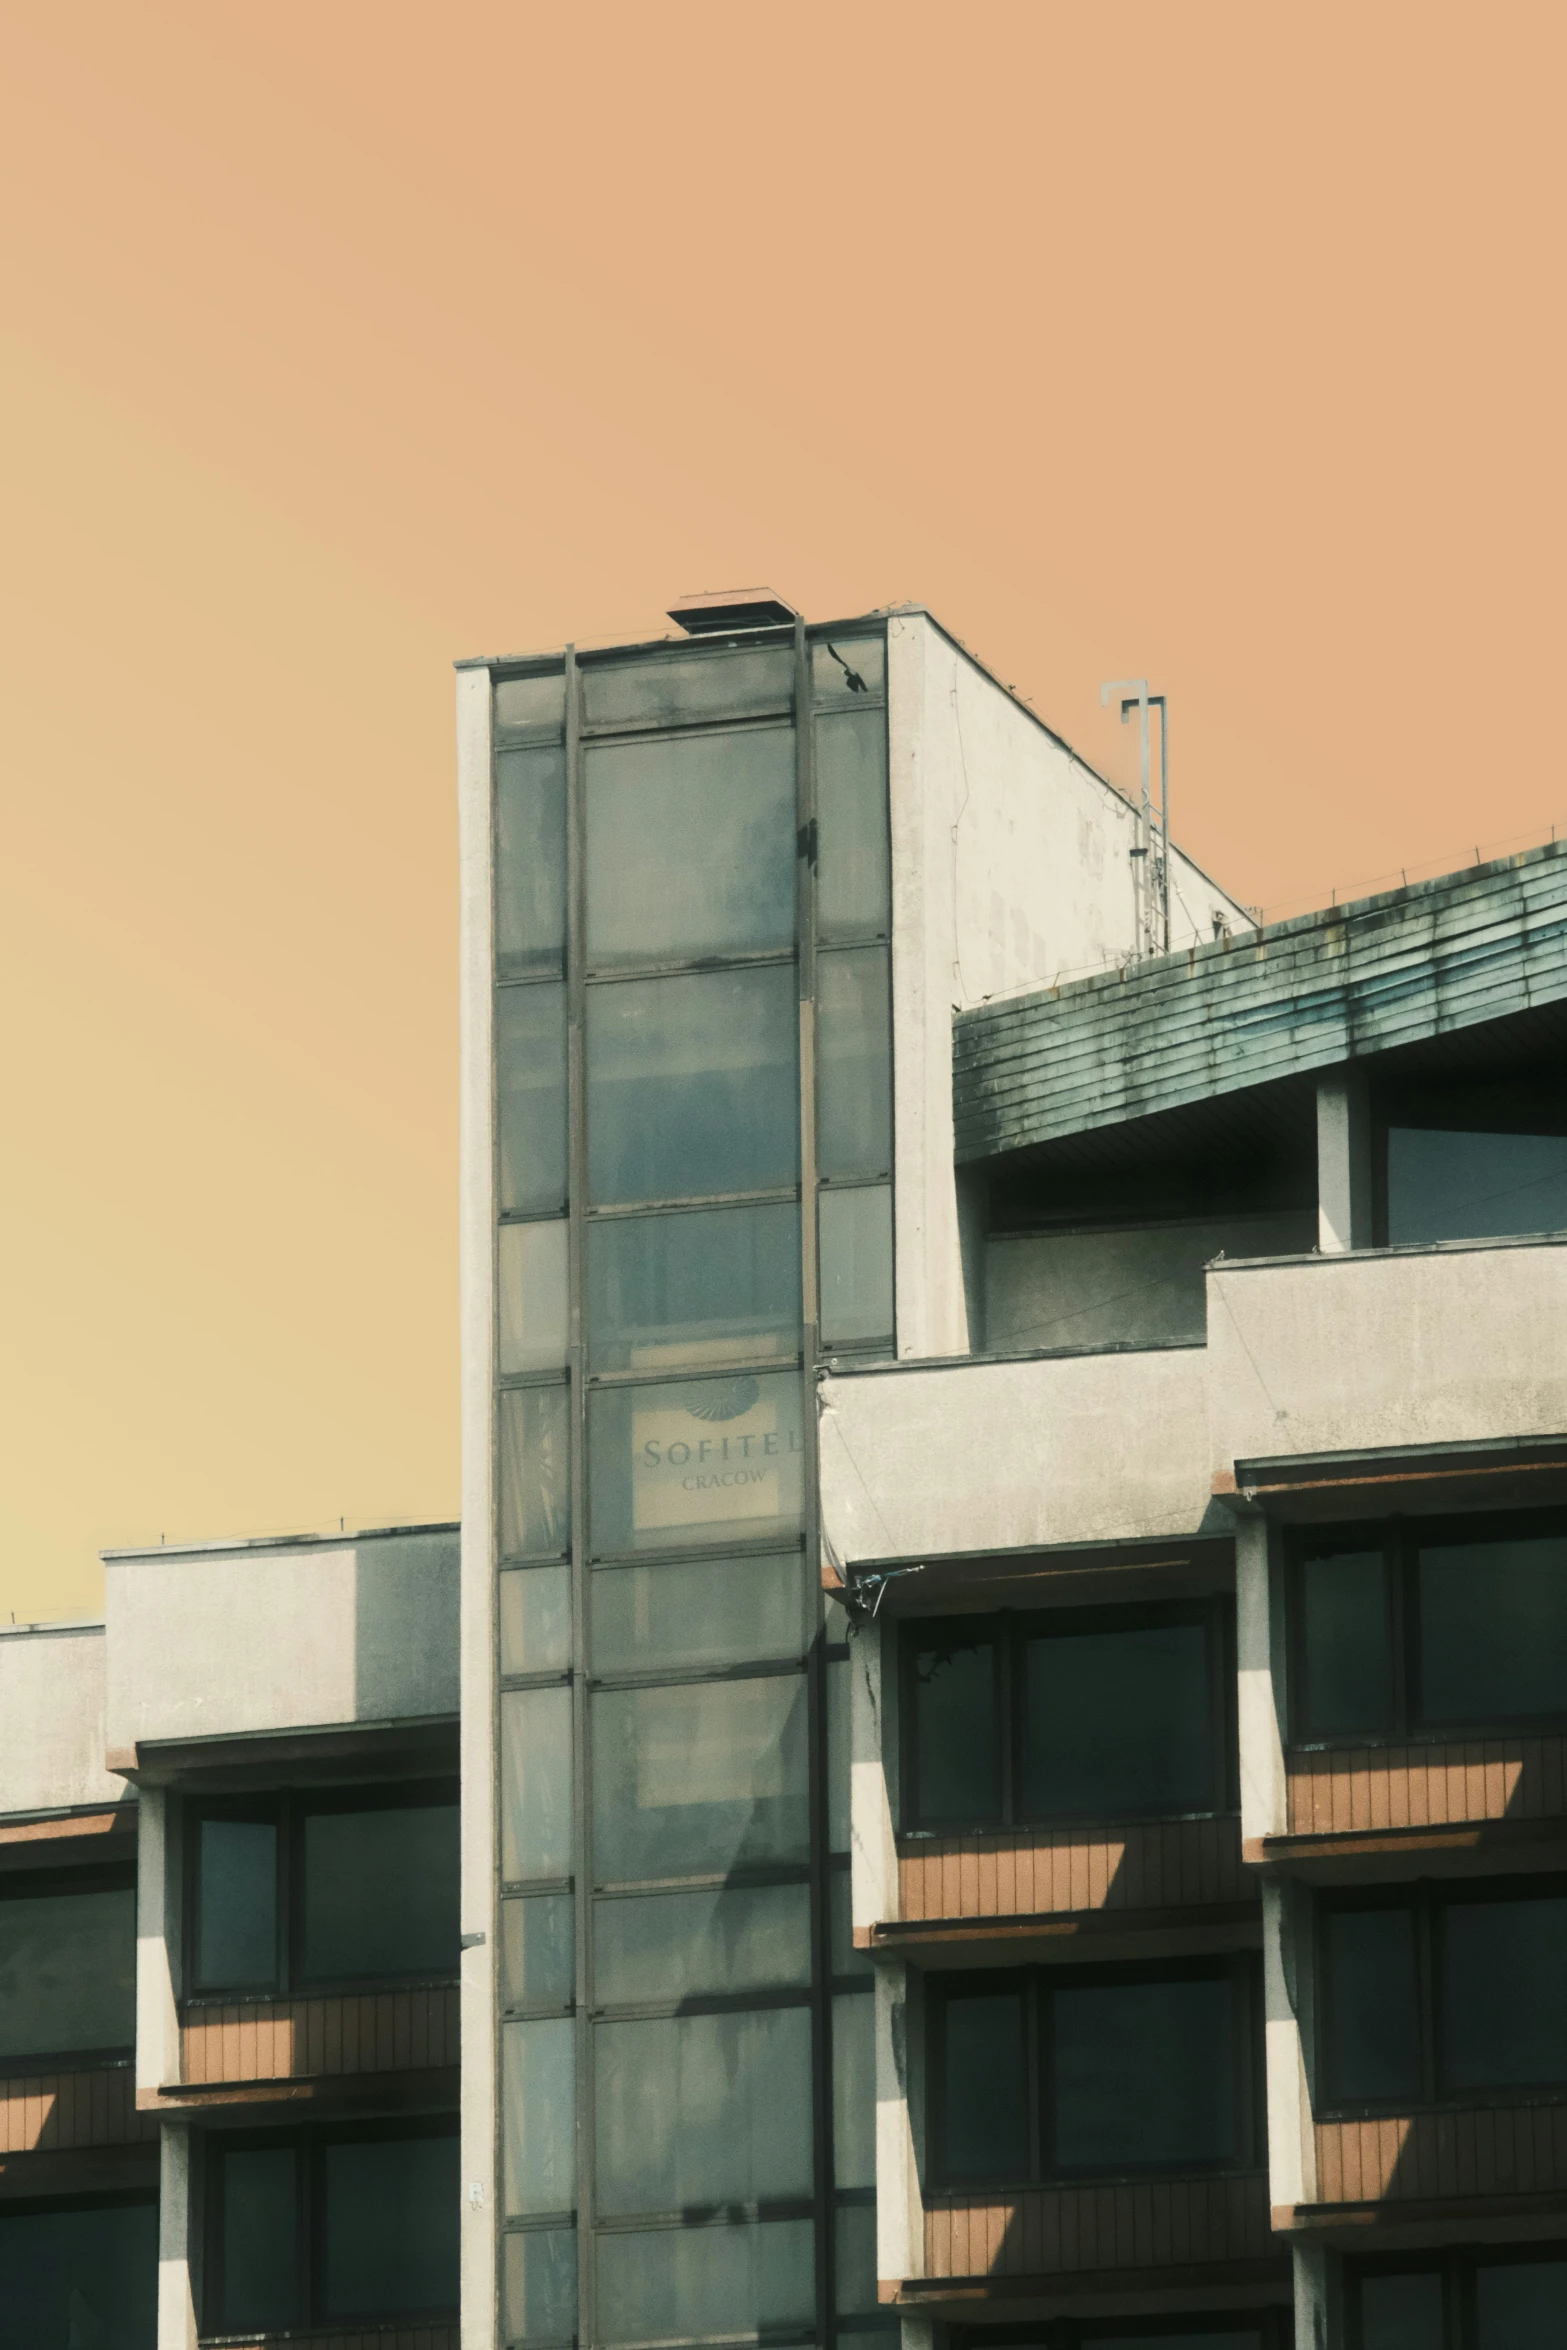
(1218, 342)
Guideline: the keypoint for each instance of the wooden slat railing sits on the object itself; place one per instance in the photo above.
(1491, 2150)
(1045, 2231)
(1161, 1864)
(298, 2039)
(1351, 1790)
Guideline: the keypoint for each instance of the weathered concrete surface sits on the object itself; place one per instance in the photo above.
(52, 1703)
(1013, 1455)
(1460, 1344)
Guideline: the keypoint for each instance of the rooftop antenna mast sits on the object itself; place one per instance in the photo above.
(1150, 863)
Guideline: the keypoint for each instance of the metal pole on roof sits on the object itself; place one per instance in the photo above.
(1134, 691)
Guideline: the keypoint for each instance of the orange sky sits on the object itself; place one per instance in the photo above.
(1218, 342)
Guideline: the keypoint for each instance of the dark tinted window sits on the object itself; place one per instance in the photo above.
(1493, 1629)
(984, 2086)
(379, 1892)
(1373, 2028)
(259, 2237)
(1117, 1722)
(1401, 2312)
(1463, 2300)
(67, 1968)
(236, 1904)
(1520, 2305)
(1503, 2012)
(79, 2274)
(955, 1699)
(389, 2212)
(1346, 1643)
(1143, 2074)
(1444, 1184)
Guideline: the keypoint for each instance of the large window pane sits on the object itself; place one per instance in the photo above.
(87, 2276)
(531, 1277)
(1143, 2075)
(1373, 2031)
(698, 1612)
(651, 1947)
(1401, 2312)
(711, 1285)
(1118, 1722)
(657, 2285)
(693, 1085)
(1493, 1630)
(530, 1087)
(853, 1065)
(853, 870)
(854, 2246)
(848, 670)
(1521, 2305)
(535, 1783)
(856, 1264)
(260, 2237)
(530, 859)
(854, 2089)
(1462, 1186)
(539, 2116)
(695, 1461)
(699, 1778)
(673, 689)
(67, 1971)
(537, 701)
(380, 1892)
(539, 2285)
(389, 2220)
(533, 1440)
(690, 845)
(538, 1951)
(535, 1620)
(698, 2110)
(236, 1905)
(955, 1730)
(1346, 1634)
(984, 2086)
(1504, 2014)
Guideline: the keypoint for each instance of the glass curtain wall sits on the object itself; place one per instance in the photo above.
(693, 1171)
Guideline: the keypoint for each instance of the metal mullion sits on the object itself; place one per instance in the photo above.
(717, 722)
(689, 966)
(780, 1195)
(743, 1367)
(1007, 1650)
(1428, 1961)
(1399, 1552)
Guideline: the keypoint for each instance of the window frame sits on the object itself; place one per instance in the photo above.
(287, 1809)
(1242, 1969)
(1426, 1898)
(1400, 1541)
(1014, 1628)
(307, 2141)
(1455, 2264)
(1460, 1107)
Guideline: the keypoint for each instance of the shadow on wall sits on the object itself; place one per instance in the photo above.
(406, 1627)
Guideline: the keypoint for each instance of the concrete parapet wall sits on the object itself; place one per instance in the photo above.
(52, 1706)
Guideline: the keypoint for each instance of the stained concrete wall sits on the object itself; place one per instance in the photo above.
(1389, 1347)
(1122, 1285)
(52, 1720)
(1013, 1455)
(265, 1637)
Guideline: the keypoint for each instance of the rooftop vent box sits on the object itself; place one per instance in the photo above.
(722, 614)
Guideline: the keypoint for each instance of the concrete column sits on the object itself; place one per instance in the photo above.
(1292, 2145)
(900, 2211)
(873, 1735)
(1258, 1707)
(919, 2331)
(1343, 1162)
(176, 2238)
(1319, 2315)
(158, 1939)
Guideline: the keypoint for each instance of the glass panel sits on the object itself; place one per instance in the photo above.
(535, 1783)
(1401, 2313)
(850, 669)
(535, 1471)
(536, 1620)
(699, 1778)
(1464, 1186)
(260, 2237)
(853, 1065)
(85, 2277)
(538, 1951)
(693, 1085)
(717, 1285)
(1521, 2305)
(671, 688)
(1246, 2338)
(1493, 1630)
(690, 845)
(67, 1972)
(539, 2285)
(698, 2110)
(1372, 2005)
(698, 1612)
(1118, 1722)
(854, 2089)
(531, 1277)
(854, 2231)
(236, 1905)
(846, 1959)
(840, 1754)
(1347, 1638)
(655, 2285)
(532, 701)
(854, 862)
(856, 1265)
(530, 860)
(984, 2086)
(696, 1461)
(539, 2115)
(530, 1089)
(1504, 2020)
(390, 2212)
(380, 1892)
(1143, 2075)
(667, 1946)
(955, 1723)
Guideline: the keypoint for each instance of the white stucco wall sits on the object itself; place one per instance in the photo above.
(52, 1728)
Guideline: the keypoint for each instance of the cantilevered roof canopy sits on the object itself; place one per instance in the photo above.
(1417, 963)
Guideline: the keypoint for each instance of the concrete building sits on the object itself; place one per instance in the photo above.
(1013, 1686)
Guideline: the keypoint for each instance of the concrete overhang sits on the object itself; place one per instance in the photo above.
(1312, 1488)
